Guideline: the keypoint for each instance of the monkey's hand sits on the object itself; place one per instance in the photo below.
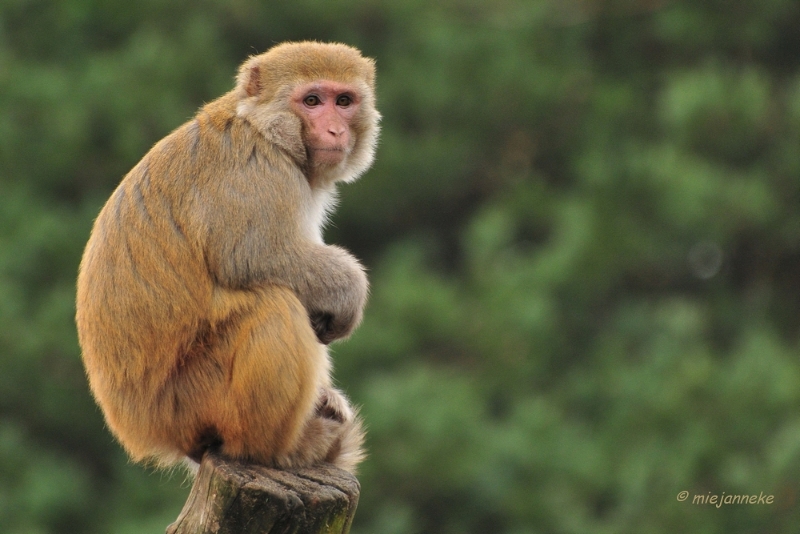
(322, 323)
(336, 295)
(330, 328)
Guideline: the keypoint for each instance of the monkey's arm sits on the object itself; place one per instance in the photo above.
(258, 233)
(334, 296)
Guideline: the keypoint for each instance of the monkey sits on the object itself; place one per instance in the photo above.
(206, 296)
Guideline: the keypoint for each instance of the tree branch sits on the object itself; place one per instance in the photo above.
(235, 498)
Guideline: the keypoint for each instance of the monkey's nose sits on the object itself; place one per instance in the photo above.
(337, 130)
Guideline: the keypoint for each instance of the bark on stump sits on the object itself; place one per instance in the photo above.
(235, 498)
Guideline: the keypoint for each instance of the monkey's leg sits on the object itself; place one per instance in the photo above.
(271, 401)
(274, 368)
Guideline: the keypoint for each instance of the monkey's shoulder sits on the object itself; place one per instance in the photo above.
(220, 111)
(212, 146)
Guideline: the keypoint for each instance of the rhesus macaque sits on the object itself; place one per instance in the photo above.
(206, 295)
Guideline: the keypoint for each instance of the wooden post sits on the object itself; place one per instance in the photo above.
(235, 498)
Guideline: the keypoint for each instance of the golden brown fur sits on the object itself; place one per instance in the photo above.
(202, 270)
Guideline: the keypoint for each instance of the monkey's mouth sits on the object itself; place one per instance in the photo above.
(328, 155)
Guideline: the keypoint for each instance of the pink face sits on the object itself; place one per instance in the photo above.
(327, 109)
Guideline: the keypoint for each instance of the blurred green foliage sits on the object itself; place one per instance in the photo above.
(583, 235)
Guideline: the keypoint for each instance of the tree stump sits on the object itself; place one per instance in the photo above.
(235, 498)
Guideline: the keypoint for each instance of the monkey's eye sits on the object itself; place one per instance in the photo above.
(344, 101)
(311, 101)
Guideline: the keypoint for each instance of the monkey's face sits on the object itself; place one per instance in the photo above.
(327, 109)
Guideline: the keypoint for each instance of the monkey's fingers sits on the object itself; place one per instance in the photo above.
(322, 323)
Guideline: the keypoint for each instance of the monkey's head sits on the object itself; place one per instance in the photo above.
(317, 102)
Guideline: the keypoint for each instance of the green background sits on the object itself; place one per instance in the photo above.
(582, 231)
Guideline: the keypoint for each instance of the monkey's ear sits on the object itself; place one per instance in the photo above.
(253, 86)
(249, 79)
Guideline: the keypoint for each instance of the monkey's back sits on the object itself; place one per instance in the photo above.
(142, 288)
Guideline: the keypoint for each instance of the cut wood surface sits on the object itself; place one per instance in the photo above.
(235, 498)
